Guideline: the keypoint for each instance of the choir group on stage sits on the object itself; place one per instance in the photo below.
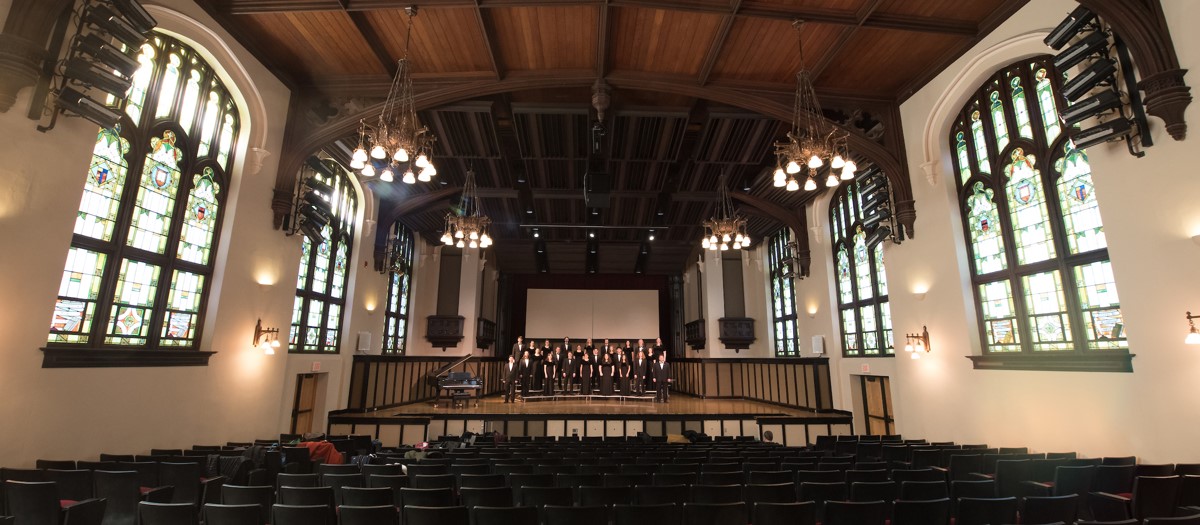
(589, 370)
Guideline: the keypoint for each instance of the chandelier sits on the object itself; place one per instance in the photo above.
(726, 226)
(813, 142)
(397, 140)
(467, 227)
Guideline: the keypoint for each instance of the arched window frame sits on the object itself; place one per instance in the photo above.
(865, 323)
(399, 296)
(165, 327)
(1005, 306)
(783, 295)
(325, 274)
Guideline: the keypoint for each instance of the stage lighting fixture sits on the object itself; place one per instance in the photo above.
(1089, 78)
(136, 15)
(1069, 27)
(104, 19)
(1091, 107)
(108, 55)
(871, 219)
(878, 236)
(75, 102)
(83, 71)
(1105, 132)
(1092, 44)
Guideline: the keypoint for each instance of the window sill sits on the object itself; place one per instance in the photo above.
(121, 358)
(1095, 361)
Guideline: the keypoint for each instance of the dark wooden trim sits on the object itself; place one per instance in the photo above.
(1094, 361)
(119, 358)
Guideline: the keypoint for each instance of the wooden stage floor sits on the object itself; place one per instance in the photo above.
(680, 404)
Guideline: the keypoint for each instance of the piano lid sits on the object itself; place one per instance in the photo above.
(443, 370)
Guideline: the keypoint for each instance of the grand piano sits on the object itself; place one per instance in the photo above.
(458, 385)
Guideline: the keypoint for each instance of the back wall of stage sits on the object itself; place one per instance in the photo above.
(520, 291)
(599, 314)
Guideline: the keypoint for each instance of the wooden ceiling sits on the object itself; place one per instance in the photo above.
(668, 141)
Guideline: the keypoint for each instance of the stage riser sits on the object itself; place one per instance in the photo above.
(413, 430)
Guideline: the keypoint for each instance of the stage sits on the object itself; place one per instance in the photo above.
(593, 417)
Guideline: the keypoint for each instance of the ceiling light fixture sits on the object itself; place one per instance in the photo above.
(398, 141)
(466, 226)
(726, 226)
(813, 142)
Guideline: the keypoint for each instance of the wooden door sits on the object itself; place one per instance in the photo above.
(306, 400)
(877, 399)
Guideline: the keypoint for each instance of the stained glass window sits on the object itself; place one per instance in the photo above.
(1042, 279)
(324, 271)
(141, 259)
(861, 281)
(783, 294)
(400, 273)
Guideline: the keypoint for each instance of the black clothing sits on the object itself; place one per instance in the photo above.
(585, 377)
(606, 378)
(662, 380)
(512, 375)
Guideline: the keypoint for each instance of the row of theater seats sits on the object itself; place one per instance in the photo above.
(586, 474)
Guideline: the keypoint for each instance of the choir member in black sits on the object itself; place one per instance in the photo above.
(518, 348)
(588, 346)
(585, 374)
(638, 375)
(550, 371)
(606, 348)
(641, 347)
(567, 372)
(628, 349)
(538, 377)
(661, 372)
(606, 375)
(558, 363)
(527, 365)
(623, 371)
(566, 346)
(658, 348)
(512, 375)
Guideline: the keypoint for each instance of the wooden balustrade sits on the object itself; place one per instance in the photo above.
(793, 382)
(382, 381)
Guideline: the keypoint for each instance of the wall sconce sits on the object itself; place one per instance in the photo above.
(266, 338)
(1193, 337)
(917, 344)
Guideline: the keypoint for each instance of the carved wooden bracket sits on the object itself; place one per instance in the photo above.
(444, 331)
(906, 218)
(693, 334)
(1143, 27)
(736, 332)
(23, 45)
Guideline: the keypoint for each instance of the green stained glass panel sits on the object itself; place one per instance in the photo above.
(1021, 108)
(870, 330)
(191, 98)
(964, 159)
(133, 303)
(999, 317)
(200, 219)
(320, 268)
(101, 202)
(987, 244)
(394, 296)
(226, 142)
(862, 267)
(999, 123)
(156, 195)
(404, 283)
(880, 273)
(845, 290)
(208, 123)
(339, 271)
(1045, 95)
(77, 296)
(1102, 317)
(136, 100)
(332, 323)
(850, 331)
(1077, 199)
(168, 86)
(183, 309)
(1027, 209)
(305, 252)
(1050, 327)
(885, 319)
(401, 336)
(981, 154)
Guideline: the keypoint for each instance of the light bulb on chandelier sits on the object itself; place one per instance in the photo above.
(792, 185)
(387, 176)
(810, 184)
(409, 177)
(466, 221)
(726, 226)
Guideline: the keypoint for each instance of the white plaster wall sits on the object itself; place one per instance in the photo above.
(78, 413)
(1150, 212)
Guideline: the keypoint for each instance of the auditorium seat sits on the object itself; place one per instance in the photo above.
(431, 481)
(386, 470)
(367, 497)
(426, 468)
(660, 514)
(714, 513)
(769, 493)
(1048, 509)
(419, 515)
(442, 497)
(300, 515)
(167, 514)
(679, 468)
(504, 516)
(38, 503)
(923, 474)
(569, 515)
(764, 513)
(1182, 520)
(660, 494)
(123, 491)
(819, 476)
(921, 512)
(855, 513)
(1114, 479)
(626, 480)
(297, 480)
(676, 479)
(57, 464)
(1145, 469)
(486, 497)
(1153, 497)
(189, 487)
(924, 490)
(715, 493)
(1119, 460)
(874, 491)
(222, 514)
(591, 496)
(1189, 491)
(74, 485)
(722, 478)
(533, 496)
(820, 492)
(986, 511)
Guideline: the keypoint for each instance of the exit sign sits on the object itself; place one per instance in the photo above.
(866, 368)
(316, 367)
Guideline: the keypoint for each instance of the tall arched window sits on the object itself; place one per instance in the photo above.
(324, 270)
(783, 295)
(862, 293)
(395, 328)
(1038, 256)
(141, 259)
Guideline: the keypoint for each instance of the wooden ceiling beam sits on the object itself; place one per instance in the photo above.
(373, 41)
(714, 51)
(843, 38)
(602, 30)
(485, 27)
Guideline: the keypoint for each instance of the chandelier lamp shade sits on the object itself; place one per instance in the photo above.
(726, 229)
(813, 142)
(467, 227)
(396, 145)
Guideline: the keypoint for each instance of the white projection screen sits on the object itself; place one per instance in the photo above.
(615, 314)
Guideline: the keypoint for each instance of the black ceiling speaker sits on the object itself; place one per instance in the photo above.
(597, 189)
